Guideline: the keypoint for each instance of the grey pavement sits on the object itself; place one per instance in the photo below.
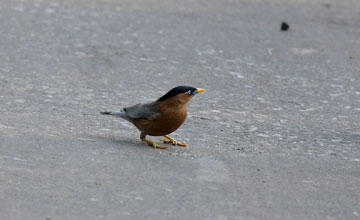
(275, 136)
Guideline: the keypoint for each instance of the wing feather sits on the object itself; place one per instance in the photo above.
(142, 111)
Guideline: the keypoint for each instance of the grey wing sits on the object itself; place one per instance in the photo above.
(142, 111)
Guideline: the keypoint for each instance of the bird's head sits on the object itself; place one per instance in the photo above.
(181, 93)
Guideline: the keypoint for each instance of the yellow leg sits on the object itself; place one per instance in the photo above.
(173, 141)
(155, 145)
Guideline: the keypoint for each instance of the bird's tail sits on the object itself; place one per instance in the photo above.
(118, 114)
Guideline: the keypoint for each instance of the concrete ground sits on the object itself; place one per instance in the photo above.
(276, 135)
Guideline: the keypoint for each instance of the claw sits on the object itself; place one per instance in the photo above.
(173, 141)
(155, 145)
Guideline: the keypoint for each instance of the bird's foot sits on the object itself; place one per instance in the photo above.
(155, 145)
(173, 141)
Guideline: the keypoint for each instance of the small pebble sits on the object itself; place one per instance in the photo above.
(284, 26)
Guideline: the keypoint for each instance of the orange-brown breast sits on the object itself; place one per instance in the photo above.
(173, 115)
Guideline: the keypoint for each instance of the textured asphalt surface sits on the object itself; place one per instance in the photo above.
(275, 136)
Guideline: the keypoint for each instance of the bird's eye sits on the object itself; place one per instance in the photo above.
(189, 92)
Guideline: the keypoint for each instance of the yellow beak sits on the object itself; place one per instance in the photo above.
(200, 90)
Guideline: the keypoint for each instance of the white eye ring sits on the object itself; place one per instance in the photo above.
(189, 92)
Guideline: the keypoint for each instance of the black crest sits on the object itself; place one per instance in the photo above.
(177, 90)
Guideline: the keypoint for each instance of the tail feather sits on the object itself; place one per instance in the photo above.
(105, 113)
(118, 114)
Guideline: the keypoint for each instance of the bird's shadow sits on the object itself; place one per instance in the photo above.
(118, 141)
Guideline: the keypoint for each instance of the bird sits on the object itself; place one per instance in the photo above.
(160, 117)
